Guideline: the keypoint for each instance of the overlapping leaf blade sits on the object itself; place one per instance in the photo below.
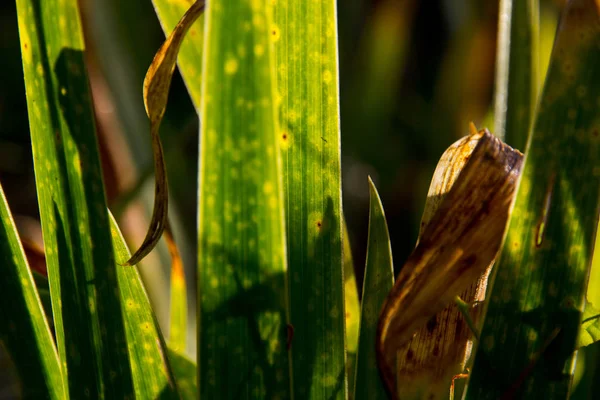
(152, 374)
(24, 329)
(379, 280)
(75, 225)
(241, 261)
(536, 304)
(516, 70)
(305, 36)
(117, 342)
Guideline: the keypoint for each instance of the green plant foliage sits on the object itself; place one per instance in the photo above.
(152, 375)
(535, 307)
(185, 372)
(516, 70)
(379, 280)
(305, 37)
(241, 248)
(590, 329)
(81, 266)
(178, 308)
(24, 329)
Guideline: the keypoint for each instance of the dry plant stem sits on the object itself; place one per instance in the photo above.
(156, 93)
(454, 250)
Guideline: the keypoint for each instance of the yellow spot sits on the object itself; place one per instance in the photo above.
(26, 43)
(259, 50)
(327, 77)
(258, 21)
(273, 202)
(329, 380)
(285, 140)
(292, 116)
(214, 283)
(572, 113)
(231, 66)
(77, 164)
(275, 33)
(268, 187)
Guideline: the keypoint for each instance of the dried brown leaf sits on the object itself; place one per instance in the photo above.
(459, 241)
(156, 93)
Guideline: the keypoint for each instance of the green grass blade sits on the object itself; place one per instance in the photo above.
(178, 308)
(379, 280)
(152, 375)
(516, 70)
(185, 372)
(75, 225)
(535, 307)
(24, 329)
(352, 304)
(241, 261)
(305, 36)
(190, 55)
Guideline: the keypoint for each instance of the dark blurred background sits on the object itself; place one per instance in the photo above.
(413, 74)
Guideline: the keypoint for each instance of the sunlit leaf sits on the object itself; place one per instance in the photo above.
(241, 246)
(378, 281)
(24, 330)
(536, 303)
(305, 38)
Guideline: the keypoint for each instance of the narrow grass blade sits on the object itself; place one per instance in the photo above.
(152, 375)
(185, 372)
(241, 248)
(305, 37)
(178, 323)
(352, 304)
(535, 308)
(189, 59)
(24, 329)
(75, 224)
(379, 280)
(516, 70)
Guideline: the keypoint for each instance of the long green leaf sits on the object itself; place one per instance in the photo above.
(185, 372)
(178, 307)
(75, 225)
(305, 37)
(241, 249)
(152, 375)
(535, 307)
(24, 329)
(516, 70)
(379, 280)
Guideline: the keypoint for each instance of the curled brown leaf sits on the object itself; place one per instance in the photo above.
(156, 93)
(461, 234)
